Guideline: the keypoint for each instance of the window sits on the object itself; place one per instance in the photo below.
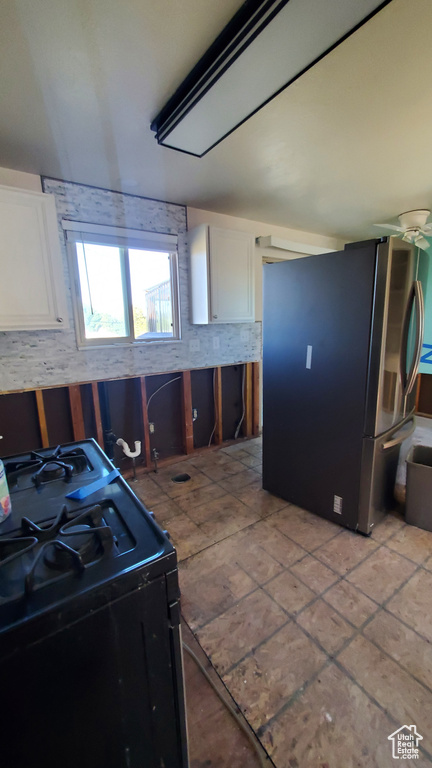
(125, 285)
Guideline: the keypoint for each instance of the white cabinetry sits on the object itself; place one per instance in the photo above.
(222, 270)
(32, 292)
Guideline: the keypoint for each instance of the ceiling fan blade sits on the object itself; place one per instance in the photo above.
(408, 237)
(390, 226)
(422, 243)
(426, 228)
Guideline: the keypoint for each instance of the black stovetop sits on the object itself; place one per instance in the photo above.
(54, 548)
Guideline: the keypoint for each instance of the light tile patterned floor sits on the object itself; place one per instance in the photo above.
(322, 636)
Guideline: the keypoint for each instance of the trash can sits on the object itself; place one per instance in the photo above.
(418, 506)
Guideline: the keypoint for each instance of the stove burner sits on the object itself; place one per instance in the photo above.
(88, 547)
(67, 543)
(50, 466)
(51, 470)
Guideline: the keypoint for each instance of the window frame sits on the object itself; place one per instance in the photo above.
(124, 240)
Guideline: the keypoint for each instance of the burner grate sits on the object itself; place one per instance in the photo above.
(66, 544)
(59, 464)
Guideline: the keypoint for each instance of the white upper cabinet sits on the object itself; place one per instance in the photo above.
(32, 290)
(222, 270)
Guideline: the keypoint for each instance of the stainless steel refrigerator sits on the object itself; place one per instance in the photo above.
(342, 336)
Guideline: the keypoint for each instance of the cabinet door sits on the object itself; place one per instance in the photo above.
(32, 294)
(231, 276)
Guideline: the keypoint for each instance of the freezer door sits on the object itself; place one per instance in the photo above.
(396, 337)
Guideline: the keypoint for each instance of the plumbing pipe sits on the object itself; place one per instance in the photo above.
(126, 450)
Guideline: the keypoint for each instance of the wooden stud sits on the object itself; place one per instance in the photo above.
(247, 395)
(76, 412)
(218, 435)
(97, 414)
(145, 421)
(42, 418)
(187, 421)
(255, 399)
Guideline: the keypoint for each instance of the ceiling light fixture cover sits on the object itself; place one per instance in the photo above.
(263, 49)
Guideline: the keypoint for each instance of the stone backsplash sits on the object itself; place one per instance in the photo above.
(33, 359)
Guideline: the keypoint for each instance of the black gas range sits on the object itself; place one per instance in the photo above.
(90, 648)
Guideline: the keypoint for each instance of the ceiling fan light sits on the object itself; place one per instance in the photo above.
(414, 219)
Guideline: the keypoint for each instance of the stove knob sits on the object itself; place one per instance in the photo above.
(167, 535)
(150, 513)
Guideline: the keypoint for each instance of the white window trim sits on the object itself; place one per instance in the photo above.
(77, 232)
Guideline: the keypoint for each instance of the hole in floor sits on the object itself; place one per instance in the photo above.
(182, 478)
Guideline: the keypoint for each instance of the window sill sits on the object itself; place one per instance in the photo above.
(134, 344)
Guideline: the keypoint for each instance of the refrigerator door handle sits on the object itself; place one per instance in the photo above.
(419, 305)
(402, 435)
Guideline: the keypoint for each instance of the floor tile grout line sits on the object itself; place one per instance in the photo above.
(255, 648)
(230, 696)
(371, 698)
(357, 630)
(410, 560)
(286, 568)
(372, 599)
(360, 632)
(258, 585)
(360, 562)
(395, 661)
(233, 605)
(402, 621)
(340, 578)
(293, 617)
(316, 596)
(295, 696)
(249, 525)
(331, 658)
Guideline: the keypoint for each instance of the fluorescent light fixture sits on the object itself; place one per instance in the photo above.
(266, 46)
(291, 245)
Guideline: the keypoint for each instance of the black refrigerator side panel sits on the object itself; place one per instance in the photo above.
(99, 693)
(316, 330)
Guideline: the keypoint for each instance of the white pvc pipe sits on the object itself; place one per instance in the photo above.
(126, 450)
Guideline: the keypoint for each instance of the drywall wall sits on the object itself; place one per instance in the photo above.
(11, 178)
(196, 216)
(47, 358)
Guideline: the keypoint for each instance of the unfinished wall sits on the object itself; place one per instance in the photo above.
(47, 358)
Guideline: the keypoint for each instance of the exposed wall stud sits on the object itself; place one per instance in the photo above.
(248, 399)
(97, 414)
(255, 398)
(218, 405)
(187, 421)
(76, 412)
(42, 418)
(145, 421)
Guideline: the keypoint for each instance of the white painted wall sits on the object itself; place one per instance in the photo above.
(11, 178)
(196, 216)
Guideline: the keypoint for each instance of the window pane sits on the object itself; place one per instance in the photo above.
(151, 294)
(101, 284)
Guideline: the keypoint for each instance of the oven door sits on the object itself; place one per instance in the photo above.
(100, 691)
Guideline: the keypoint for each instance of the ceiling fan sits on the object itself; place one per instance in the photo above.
(413, 226)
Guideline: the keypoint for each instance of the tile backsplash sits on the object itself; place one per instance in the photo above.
(33, 359)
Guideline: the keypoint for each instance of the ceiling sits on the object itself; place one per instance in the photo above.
(345, 146)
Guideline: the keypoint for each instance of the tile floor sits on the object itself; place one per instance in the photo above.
(323, 637)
